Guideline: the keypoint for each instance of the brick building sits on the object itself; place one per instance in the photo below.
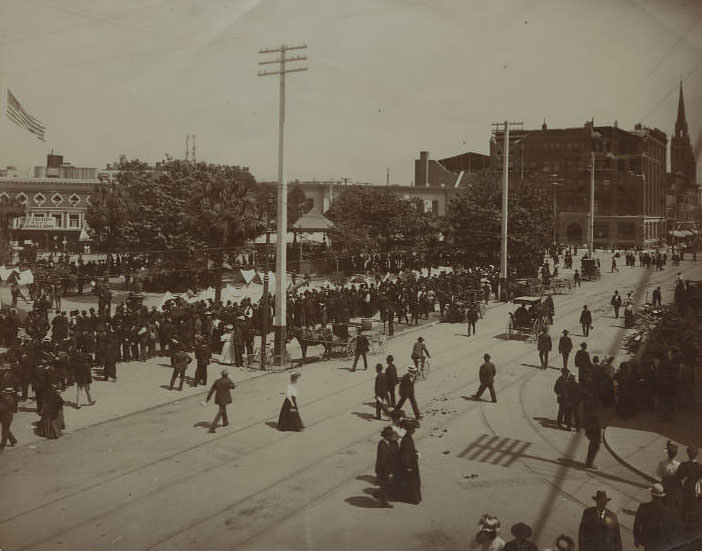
(56, 199)
(447, 172)
(630, 175)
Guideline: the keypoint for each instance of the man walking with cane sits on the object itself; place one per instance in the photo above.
(221, 389)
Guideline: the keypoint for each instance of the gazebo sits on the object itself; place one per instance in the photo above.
(316, 227)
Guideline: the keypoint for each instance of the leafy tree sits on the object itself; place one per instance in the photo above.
(473, 221)
(368, 219)
(180, 206)
(298, 204)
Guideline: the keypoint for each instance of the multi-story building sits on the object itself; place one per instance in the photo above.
(56, 199)
(629, 170)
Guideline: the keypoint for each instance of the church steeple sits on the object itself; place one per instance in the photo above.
(681, 123)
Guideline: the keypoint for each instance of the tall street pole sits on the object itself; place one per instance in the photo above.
(505, 205)
(282, 211)
(591, 218)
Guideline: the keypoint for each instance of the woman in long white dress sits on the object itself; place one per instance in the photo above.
(227, 339)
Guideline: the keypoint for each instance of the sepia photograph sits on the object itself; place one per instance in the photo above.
(412, 275)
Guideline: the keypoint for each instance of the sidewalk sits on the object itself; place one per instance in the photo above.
(639, 443)
(141, 386)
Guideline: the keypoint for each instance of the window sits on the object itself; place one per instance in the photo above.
(4, 196)
(74, 200)
(22, 198)
(435, 208)
(57, 220)
(74, 220)
(38, 215)
(56, 199)
(39, 199)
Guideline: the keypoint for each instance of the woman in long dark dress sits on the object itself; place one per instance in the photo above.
(51, 422)
(289, 418)
(409, 485)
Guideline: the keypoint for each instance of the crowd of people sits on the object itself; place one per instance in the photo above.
(65, 349)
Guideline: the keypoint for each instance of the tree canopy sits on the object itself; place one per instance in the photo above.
(180, 206)
(371, 219)
(473, 221)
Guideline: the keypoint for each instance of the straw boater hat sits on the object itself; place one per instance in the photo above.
(657, 490)
(224, 372)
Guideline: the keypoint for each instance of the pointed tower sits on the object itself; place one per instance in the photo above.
(682, 158)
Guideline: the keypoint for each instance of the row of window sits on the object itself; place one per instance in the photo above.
(47, 221)
(39, 199)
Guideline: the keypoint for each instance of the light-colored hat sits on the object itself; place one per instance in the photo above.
(224, 372)
(657, 490)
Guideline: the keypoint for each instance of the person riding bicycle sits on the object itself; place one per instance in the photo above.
(419, 352)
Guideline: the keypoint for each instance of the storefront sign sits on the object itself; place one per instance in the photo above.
(44, 223)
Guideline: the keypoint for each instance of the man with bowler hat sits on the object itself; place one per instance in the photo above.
(381, 390)
(544, 344)
(599, 527)
(221, 389)
(565, 345)
(407, 391)
(487, 378)
(585, 320)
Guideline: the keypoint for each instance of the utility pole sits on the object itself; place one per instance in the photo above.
(504, 276)
(591, 216)
(265, 307)
(282, 210)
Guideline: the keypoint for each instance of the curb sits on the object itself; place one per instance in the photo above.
(624, 463)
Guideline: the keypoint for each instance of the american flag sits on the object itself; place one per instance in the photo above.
(20, 117)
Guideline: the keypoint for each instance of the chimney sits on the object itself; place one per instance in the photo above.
(423, 175)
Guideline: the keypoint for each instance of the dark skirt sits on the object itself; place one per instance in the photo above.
(409, 486)
(51, 427)
(289, 418)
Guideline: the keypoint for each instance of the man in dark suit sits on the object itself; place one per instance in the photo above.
(657, 298)
(202, 356)
(616, 302)
(655, 524)
(221, 389)
(362, 347)
(586, 321)
(386, 464)
(181, 359)
(391, 379)
(487, 378)
(407, 391)
(544, 344)
(599, 527)
(381, 390)
(565, 345)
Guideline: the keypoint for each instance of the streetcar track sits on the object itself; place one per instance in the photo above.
(445, 350)
(85, 521)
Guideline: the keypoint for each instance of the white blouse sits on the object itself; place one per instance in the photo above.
(291, 392)
(667, 467)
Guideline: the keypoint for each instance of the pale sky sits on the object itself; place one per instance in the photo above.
(386, 79)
